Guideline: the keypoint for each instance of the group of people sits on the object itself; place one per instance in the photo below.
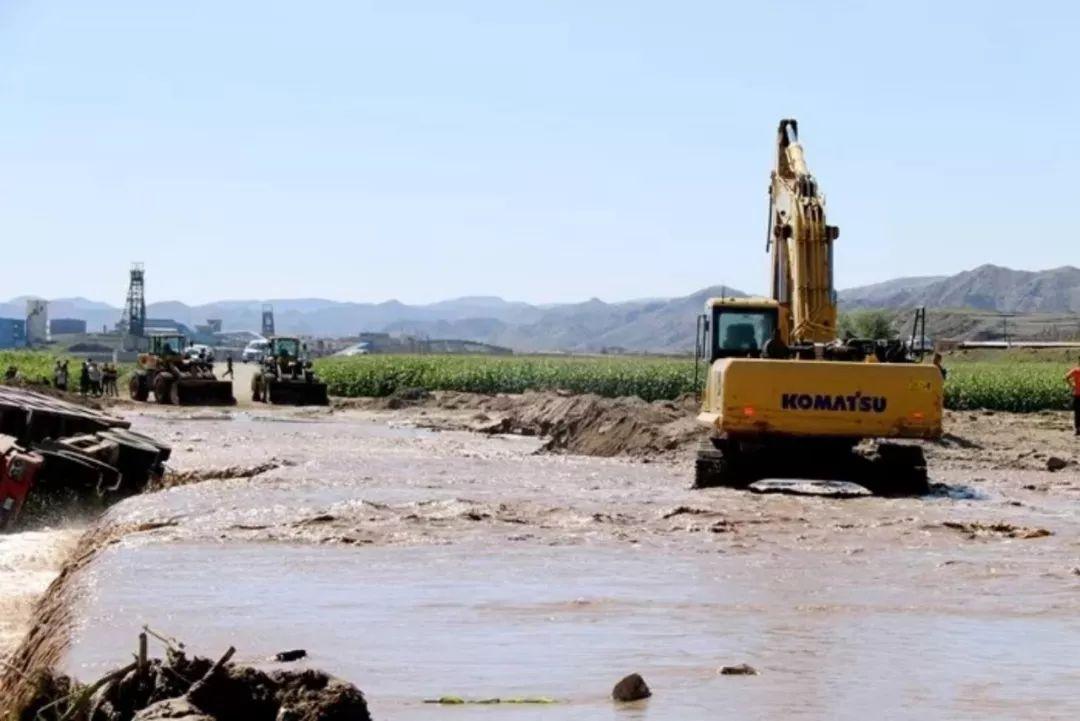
(94, 379)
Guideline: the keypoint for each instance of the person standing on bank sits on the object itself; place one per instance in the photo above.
(1073, 379)
(84, 377)
(937, 362)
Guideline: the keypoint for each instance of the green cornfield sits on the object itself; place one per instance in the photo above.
(1020, 387)
(1001, 385)
(37, 366)
(32, 365)
(382, 375)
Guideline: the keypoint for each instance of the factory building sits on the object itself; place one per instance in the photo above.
(12, 333)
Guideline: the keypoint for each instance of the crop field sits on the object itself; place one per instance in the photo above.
(382, 375)
(1020, 387)
(1000, 384)
(32, 365)
(36, 366)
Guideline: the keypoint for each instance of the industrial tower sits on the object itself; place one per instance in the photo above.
(267, 320)
(135, 308)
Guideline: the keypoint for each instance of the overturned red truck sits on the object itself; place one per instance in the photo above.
(54, 452)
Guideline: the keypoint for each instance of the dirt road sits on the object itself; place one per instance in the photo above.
(242, 375)
(419, 564)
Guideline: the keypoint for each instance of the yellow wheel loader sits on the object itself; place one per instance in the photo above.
(286, 377)
(785, 397)
(176, 380)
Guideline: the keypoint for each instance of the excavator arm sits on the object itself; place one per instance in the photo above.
(801, 244)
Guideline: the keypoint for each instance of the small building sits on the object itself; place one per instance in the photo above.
(67, 326)
(12, 333)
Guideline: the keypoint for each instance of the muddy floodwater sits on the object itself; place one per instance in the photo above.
(419, 564)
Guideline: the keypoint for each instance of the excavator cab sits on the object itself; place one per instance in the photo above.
(738, 328)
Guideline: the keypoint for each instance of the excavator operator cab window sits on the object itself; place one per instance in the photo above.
(741, 332)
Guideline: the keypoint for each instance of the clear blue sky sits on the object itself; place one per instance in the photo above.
(542, 151)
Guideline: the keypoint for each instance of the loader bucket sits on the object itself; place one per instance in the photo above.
(298, 393)
(202, 392)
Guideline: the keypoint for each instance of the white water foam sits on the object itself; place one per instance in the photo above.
(29, 562)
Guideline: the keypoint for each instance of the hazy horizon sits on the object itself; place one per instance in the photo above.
(471, 296)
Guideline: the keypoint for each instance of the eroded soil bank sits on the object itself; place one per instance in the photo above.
(591, 425)
(418, 563)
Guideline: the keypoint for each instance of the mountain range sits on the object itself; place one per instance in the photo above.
(664, 324)
(986, 288)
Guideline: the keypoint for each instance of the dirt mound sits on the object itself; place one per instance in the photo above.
(595, 426)
(591, 425)
(581, 424)
(97, 403)
(164, 689)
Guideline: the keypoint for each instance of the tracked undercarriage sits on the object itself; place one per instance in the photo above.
(882, 467)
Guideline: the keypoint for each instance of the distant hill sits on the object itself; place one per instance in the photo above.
(650, 324)
(986, 288)
(898, 292)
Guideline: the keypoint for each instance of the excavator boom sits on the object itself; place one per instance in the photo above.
(801, 243)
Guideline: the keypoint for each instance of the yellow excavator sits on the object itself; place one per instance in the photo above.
(785, 397)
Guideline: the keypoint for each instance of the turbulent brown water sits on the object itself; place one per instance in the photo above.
(28, 563)
(419, 564)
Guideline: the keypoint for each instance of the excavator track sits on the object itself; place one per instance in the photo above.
(883, 468)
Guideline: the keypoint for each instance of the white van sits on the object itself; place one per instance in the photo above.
(255, 351)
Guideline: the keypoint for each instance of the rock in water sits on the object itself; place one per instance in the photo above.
(743, 669)
(235, 692)
(315, 696)
(173, 709)
(631, 688)
(1053, 463)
